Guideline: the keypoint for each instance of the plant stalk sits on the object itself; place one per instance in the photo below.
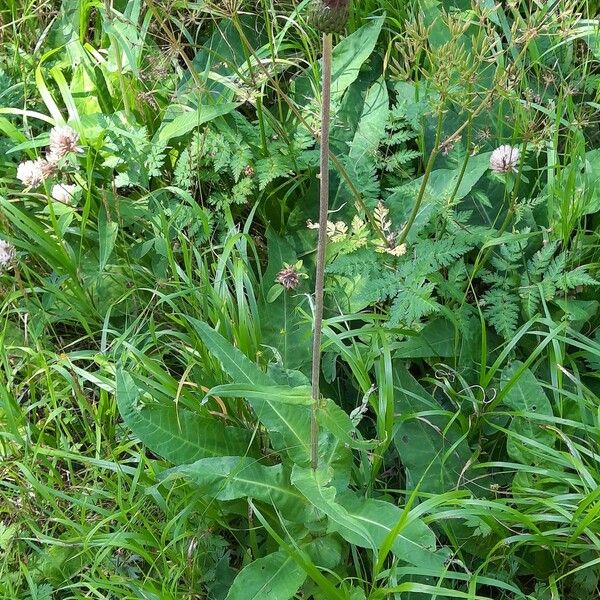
(321, 246)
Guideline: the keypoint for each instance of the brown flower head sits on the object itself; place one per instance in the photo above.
(288, 277)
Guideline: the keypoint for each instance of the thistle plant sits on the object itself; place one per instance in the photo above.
(328, 16)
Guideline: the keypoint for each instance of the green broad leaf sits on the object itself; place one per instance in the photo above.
(235, 363)
(415, 542)
(272, 393)
(176, 434)
(283, 326)
(228, 478)
(314, 487)
(334, 419)
(274, 293)
(442, 186)
(431, 448)
(350, 54)
(589, 180)
(189, 120)
(325, 552)
(273, 577)
(7, 534)
(107, 236)
(578, 311)
(371, 127)
(437, 338)
(526, 398)
(84, 91)
(222, 55)
(592, 38)
(288, 425)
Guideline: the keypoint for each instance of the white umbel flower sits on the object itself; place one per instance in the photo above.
(62, 141)
(505, 159)
(32, 173)
(63, 192)
(7, 255)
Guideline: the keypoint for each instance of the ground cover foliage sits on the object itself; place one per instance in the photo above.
(158, 205)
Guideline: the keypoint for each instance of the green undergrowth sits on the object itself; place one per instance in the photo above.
(156, 275)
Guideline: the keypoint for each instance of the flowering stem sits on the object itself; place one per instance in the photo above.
(321, 246)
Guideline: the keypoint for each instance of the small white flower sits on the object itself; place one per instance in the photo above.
(505, 159)
(63, 192)
(7, 254)
(32, 173)
(62, 141)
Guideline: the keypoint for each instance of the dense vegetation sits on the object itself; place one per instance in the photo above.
(159, 195)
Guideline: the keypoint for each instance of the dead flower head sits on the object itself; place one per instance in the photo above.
(289, 277)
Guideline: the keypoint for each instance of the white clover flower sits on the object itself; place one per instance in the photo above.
(63, 192)
(62, 141)
(7, 255)
(32, 173)
(505, 159)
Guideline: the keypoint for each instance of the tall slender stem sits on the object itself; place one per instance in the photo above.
(321, 246)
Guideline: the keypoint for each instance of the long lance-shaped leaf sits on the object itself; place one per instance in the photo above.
(234, 477)
(415, 542)
(176, 434)
(323, 497)
(289, 425)
(277, 393)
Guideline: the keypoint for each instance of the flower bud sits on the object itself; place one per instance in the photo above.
(329, 16)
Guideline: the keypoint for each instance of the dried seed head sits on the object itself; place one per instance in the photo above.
(505, 159)
(289, 277)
